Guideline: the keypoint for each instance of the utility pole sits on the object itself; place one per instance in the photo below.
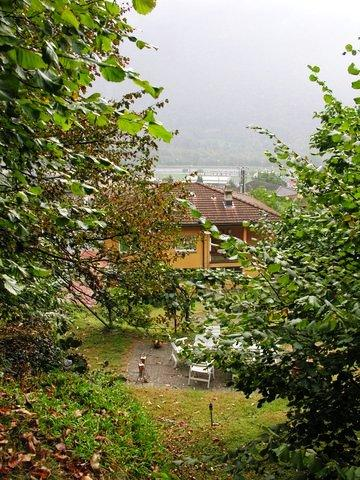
(242, 179)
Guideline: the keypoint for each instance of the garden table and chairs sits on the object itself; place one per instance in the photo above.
(200, 372)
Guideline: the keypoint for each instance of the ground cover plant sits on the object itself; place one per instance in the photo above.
(63, 425)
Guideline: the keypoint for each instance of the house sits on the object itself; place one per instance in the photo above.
(288, 192)
(228, 211)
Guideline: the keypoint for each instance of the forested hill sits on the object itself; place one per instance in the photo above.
(225, 65)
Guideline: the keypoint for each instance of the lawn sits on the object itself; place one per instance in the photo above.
(108, 348)
(182, 416)
(103, 349)
(184, 420)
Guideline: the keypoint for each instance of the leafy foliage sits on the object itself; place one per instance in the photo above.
(28, 349)
(299, 304)
(270, 198)
(51, 163)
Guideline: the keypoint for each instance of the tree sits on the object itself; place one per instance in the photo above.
(270, 198)
(270, 177)
(50, 54)
(301, 306)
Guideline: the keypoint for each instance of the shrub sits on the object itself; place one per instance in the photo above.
(28, 348)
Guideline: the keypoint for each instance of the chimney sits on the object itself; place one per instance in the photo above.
(228, 198)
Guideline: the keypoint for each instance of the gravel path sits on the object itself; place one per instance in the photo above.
(160, 369)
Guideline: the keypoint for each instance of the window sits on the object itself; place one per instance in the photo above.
(187, 243)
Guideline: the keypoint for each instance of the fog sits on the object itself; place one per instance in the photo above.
(226, 64)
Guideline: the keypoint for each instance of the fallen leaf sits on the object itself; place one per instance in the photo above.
(13, 462)
(31, 441)
(40, 473)
(60, 457)
(23, 411)
(95, 461)
(25, 457)
(61, 447)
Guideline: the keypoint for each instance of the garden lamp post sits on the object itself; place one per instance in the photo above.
(211, 407)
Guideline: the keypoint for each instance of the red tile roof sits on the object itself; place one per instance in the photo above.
(210, 202)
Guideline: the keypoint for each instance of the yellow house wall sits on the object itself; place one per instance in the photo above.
(199, 258)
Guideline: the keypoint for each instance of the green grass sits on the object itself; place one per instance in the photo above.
(183, 416)
(107, 349)
(72, 418)
(100, 346)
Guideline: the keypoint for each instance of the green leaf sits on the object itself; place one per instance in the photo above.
(328, 98)
(141, 44)
(113, 73)
(23, 197)
(11, 285)
(87, 20)
(356, 84)
(40, 272)
(112, 8)
(49, 55)
(77, 189)
(159, 131)
(282, 452)
(349, 47)
(274, 267)
(9, 87)
(69, 18)
(314, 68)
(130, 123)
(36, 190)
(313, 78)
(195, 213)
(48, 81)
(27, 59)
(284, 280)
(144, 6)
(145, 85)
(93, 98)
(353, 70)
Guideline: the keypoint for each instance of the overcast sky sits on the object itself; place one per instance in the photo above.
(226, 64)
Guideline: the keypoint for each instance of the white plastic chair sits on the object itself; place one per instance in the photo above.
(176, 349)
(201, 372)
(204, 341)
(213, 330)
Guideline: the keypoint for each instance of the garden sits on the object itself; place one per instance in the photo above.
(95, 381)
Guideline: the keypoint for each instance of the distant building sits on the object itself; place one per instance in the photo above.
(228, 211)
(286, 192)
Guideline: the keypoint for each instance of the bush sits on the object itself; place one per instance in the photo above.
(28, 348)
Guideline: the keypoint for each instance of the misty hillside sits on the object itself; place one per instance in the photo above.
(220, 75)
